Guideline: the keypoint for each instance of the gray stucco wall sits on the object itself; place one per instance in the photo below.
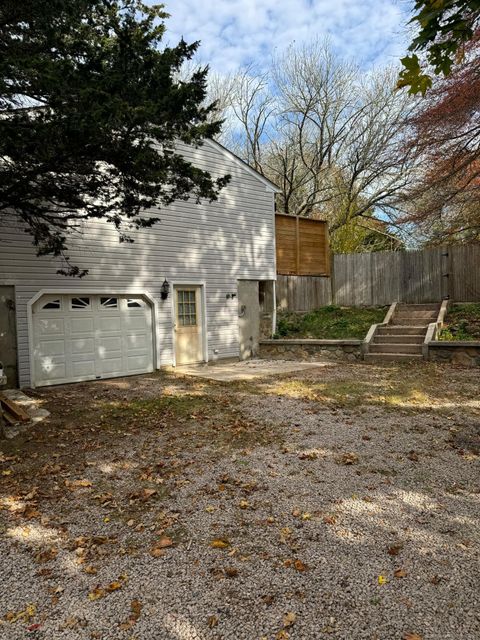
(212, 243)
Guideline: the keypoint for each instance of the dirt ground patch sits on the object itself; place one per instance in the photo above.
(340, 502)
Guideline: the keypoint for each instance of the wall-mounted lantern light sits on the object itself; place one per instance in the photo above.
(165, 289)
(230, 296)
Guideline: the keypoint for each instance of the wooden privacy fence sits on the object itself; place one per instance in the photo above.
(302, 246)
(383, 277)
(303, 293)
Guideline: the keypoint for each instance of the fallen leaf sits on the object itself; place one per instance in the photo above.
(400, 573)
(285, 533)
(412, 636)
(289, 619)
(164, 542)
(57, 590)
(329, 519)
(308, 455)
(231, 572)
(210, 509)
(412, 456)
(46, 555)
(282, 635)
(78, 484)
(156, 552)
(136, 609)
(347, 459)
(212, 621)
(382, 580)
(101, 592)
(220, 543)
(70, 623)
(395, 549)
(300, 566)
(96, 593)
(244, 504)
(25, 615)
(90, 570)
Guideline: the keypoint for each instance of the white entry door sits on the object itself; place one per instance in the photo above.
(85, 337)
(188, 325)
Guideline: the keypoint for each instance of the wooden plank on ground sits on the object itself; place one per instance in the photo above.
(14, 409)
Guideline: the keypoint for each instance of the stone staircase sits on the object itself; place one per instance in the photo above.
(403, 337)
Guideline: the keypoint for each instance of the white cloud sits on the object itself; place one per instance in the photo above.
(238, 32)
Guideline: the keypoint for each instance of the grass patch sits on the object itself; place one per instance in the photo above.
(406, 387)
(329, 323)
(181, 406)
(462, 322)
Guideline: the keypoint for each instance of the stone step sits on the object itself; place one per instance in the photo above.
(392, 330)
(391, 357)
(419, 307)
(416, 314)
(395, 348)
(398, 338)
(413, 322)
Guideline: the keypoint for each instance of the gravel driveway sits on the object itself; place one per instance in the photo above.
(337, 503)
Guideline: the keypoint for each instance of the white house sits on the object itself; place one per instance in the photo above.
(218, 259)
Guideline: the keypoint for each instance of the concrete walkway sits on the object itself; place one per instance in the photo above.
(247, 369)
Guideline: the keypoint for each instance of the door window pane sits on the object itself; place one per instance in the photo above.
(53, 304)
(186, 308)
(80, 303)
(109, 303)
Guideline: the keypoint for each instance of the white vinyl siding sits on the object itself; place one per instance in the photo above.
(213, 243)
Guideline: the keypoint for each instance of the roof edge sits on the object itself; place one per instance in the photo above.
(268, 183)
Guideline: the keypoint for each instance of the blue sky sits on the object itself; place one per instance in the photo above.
(237, 32)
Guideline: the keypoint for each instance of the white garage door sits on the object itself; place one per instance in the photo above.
(85, 337)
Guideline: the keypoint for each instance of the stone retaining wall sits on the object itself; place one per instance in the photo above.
(348, 350)
(456, 352)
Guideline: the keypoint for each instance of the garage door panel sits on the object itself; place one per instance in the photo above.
(82, 325)
(47, 369)
(93, 341)
(138, 363)
(112, 366)
(83, 368)
(113, 343)
(52, 347)
(83, 345)
(109, 324)
(137, 341)
(135, 323)
(51, 326)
